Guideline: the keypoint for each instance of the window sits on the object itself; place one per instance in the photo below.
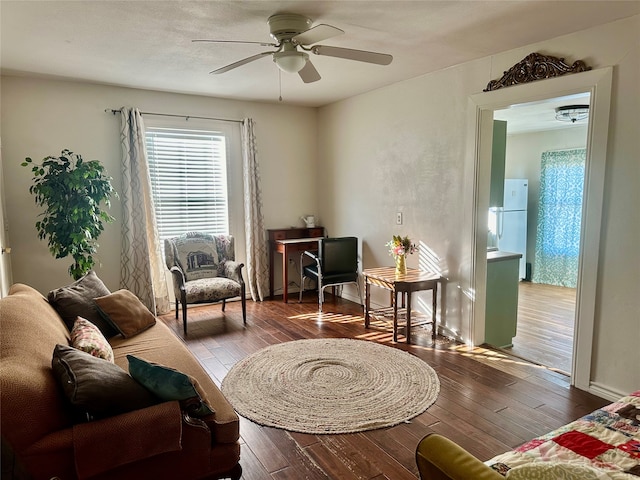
(188, 171)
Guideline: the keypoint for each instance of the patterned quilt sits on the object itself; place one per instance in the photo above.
(602, 445)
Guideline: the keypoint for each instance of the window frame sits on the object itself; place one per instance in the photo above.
(235, 193)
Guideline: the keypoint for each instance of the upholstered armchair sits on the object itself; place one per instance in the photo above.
(204, 270)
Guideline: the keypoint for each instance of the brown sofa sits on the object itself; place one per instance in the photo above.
(43, 439)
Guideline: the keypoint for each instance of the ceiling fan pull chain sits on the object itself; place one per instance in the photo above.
(280, 84)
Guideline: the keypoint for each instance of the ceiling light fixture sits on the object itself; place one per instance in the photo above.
(290, 62)
(572, 113)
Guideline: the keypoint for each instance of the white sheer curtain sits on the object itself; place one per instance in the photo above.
(141, 265)
(257, 263)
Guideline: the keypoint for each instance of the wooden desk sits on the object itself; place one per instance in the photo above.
(413, 281)
(287, 241)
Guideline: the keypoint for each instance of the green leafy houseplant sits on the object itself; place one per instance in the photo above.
(71, 192)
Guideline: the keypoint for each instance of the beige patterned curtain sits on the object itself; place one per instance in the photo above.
(141, 265)
(257, 260)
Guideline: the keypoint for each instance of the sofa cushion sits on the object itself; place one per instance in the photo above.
(95, 386)
(125, 312)
(30, 397)
(87, 337)
(160, 344)
(170, 384)
(76, 300)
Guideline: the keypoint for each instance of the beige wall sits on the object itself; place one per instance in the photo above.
(403, 147)
(41, 117)
(399, 148)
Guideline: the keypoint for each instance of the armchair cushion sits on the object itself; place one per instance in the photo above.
(170, 384)
(126, 312)
(197, 256)
(87, 337)
(211, 289)
(76, 300)
(97, 387)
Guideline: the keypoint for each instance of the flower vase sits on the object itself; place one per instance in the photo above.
(401, 265)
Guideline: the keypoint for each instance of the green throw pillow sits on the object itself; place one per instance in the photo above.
(169, 384)
(96, 387)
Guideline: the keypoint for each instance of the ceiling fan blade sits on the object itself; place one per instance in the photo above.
(309, 74)
(350, 54)
(317, 34)
(239, 63)
(263, 44)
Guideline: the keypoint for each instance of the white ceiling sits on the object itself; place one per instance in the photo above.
(541, 116)
(147, 44)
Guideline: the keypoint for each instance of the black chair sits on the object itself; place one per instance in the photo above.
(336, 263)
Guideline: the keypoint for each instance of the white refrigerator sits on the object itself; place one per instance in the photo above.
(511, 220)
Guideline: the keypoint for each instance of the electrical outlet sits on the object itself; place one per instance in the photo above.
(399, 218)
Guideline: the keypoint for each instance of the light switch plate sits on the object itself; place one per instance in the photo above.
(399, 218)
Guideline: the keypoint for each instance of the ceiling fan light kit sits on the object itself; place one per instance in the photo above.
(292, 32)
(290, 62)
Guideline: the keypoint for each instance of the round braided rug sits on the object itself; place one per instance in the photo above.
(330, 386)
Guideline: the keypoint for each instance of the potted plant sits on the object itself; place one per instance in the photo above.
(72, 193)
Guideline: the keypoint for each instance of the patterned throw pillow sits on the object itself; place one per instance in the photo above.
(87, 337)
(169, 384)
(553, 471)
(125, 312)
(198, 256)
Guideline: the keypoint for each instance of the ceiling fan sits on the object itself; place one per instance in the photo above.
(295, 36)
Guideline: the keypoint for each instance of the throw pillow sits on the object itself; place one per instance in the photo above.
(125, 312)
(76, 300)
(553, 471)
(197, 255)
(87, 337)
(170, 384)
(95, 387)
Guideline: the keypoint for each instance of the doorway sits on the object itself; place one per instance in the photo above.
(543, 151)
(480, 125)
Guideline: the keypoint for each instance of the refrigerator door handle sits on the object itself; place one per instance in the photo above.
(500, 222)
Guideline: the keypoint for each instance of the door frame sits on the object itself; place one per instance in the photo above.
(481, 107)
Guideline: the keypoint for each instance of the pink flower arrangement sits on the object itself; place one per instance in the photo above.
(401, 246)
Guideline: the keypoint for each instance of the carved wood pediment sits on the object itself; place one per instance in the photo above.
(536, 66)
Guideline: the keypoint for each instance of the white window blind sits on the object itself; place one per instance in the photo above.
(188, 171)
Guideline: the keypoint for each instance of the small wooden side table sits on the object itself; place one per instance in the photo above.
(288, 241)
(413, 281)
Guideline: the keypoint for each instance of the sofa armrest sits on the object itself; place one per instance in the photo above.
(438, 458)
(102, 445)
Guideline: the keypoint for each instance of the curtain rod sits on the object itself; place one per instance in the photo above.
(186, 117)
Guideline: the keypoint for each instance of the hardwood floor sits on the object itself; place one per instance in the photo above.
(545, 325)
(489, 402)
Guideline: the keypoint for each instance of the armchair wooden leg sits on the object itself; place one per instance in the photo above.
(184, 316)
(224, 304)
(243, 299)
(176, 308)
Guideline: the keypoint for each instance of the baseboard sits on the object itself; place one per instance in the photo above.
(606, 392)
